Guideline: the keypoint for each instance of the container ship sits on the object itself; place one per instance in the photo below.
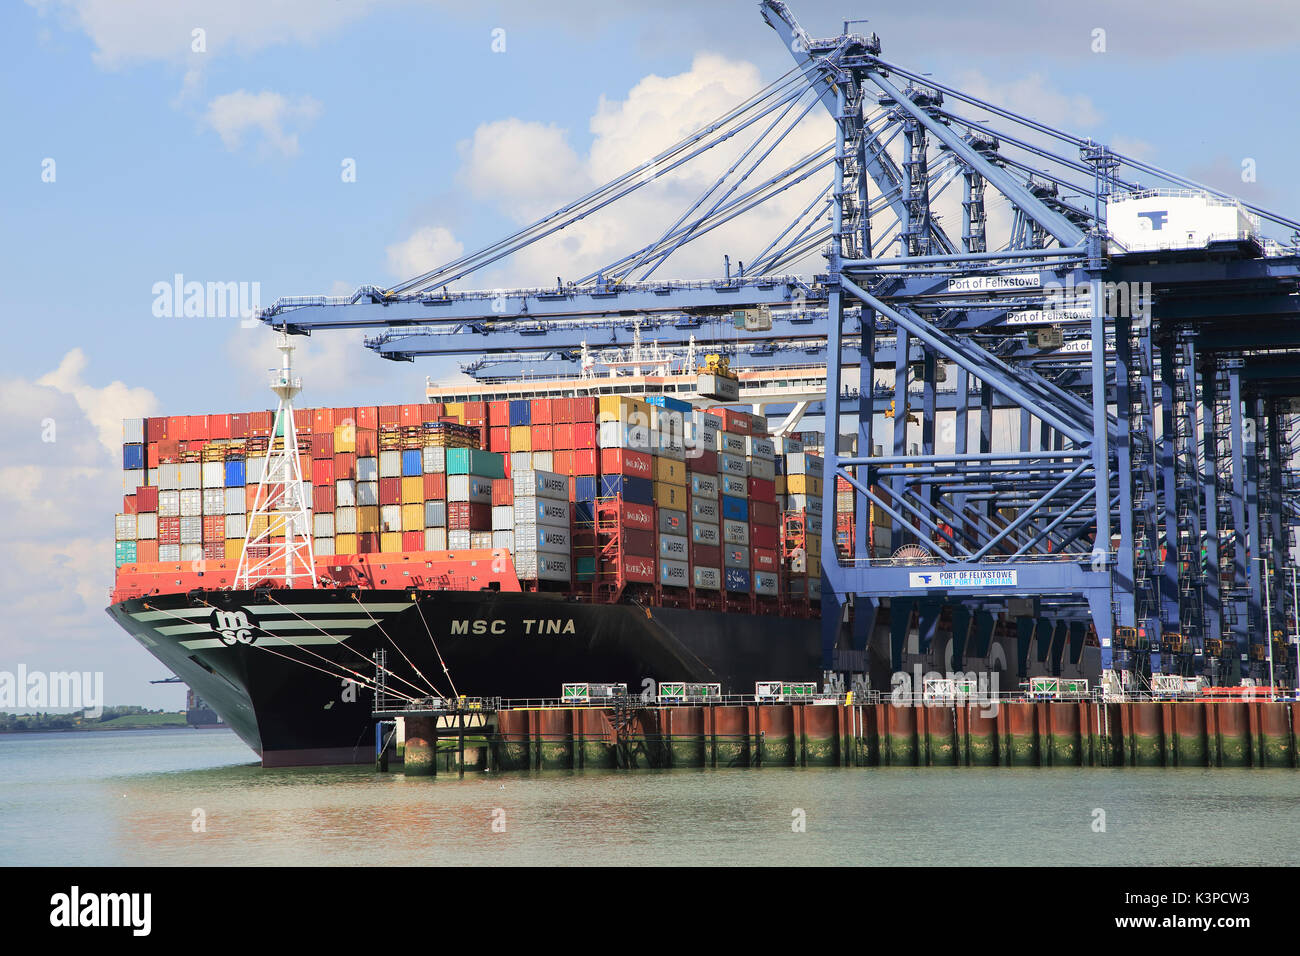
(287, 564)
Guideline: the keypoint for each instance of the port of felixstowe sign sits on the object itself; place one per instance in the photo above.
(996, 283)
(961, 579)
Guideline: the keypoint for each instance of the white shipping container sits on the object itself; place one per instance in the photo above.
(674, 574)
(169, 503)
(321, 546)
(131, 480)
(169, 552)
(760, 448)
(435, 539)
(503, 539)
(191, 552)
(520, 461)
(345, 493)
(544, 460)
(733, 486)
(214, 501)
(503, 517)
(253, 469)
(345, 521)
(470, 488)
(367, 469)
(390, 518)
(735, 532)
(146, 525)
(762, 468)
(236, 526)
(323, 525)
(367, 494)
(236, 502)
(133, 431)
(151, 477)
(704, 486)
(191, 530)
(169, 477)
(191, 502)
(541, 484)
(703, 532)
(390, 464)
(191, 474)
(618, 435)
(435, 514)
(124, 527)
(435, 461)
(214, 474)
(704, 509)
(674, 547)
(458, 540)
(707, 579)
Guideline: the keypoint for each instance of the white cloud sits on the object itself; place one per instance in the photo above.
(425, 249)
(105, 407)
(233, 115)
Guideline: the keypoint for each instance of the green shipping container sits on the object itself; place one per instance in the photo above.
(125, 553)
(471, 461)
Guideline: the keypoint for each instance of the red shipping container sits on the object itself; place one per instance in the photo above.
(151, 455)
(584, 410)
(467, 516)
(762, 490)
(706, 555)
(636, 517)
(155, 429)
(146, 552)
(218, 426)
(169, 451)
(562, 411)
(738, 423)
(260, 423)
(763, 512)
(476, 413)
(390, 491)
(302, 418)
(433, 411)
(503, 491)
(498, 415)
(198, 428)
(763, 536)
(214, 551)
(178, 427)
(391, 415)
(641, 543)
(621, 461)
(343, 416)
(322, 420)
(499, 439)
(412, 415)
(368, 542)
(637, 568)
(322, 444)
(128, 504)
(584, 462)
(562, 464)
(345, 466)
(562, 436)
(367, 442)
(322, 498)
(214, 528)
(435, 486)
(762, 559)
(367, 416)
(702, 460)
(542, 438)
(584, 435)
(169, 530)
(412, 540)
(146, 498)
(540, 411)
(239, 425)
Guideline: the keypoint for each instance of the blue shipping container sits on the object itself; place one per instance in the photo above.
(521, 412)
(637, 490)
(584, 511)
(412, 463)
(235, 474)
(672, 404)
(584, 488)
(737, 579)
(735, 509)
(132, 457)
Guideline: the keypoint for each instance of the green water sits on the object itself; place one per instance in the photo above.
(130, 797)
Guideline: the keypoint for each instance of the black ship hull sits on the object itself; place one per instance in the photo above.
(289, 671)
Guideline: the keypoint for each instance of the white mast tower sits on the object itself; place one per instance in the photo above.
(281, 500)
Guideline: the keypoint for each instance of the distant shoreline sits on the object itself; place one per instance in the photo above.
(125, 722)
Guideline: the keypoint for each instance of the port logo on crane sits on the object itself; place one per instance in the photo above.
(1156, 219)
(234, 627)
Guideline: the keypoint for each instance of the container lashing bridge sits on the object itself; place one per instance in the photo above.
(1144, 507)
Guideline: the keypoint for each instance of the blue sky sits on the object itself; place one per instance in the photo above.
(147, 186)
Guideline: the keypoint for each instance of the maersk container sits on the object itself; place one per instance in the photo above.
(503, 539)
(132, 457)
(191, 502)
(146, 525)
(435, 514)
(734, 486)
(735, 532)
(703, 532)
(434, 459)
(169, 477)
(542, 511)
(435, 539)
(707, 579)
(540, 537)
(470, 488)
(810, 503)
(674, 547)
(169, 503)
(731, 444)
(367, 494)
(766, 583)
(636, 437)
(367, 469)
(390, 464)
(131, 480)
(737, 580)
(733, 465)
(704, 486)
(543, 566)
(214, 501)
(133, 431)
(787, 446)
(191, 530)
(124, 553)
(735, 556)
(705, 509)
(234, 473)
(236, 527)
(735, 509)
(169, 552)
(541, 484)
(345, 521)
(762, 469)
(804, 464)
(412, 463)
(670, 447)
(671, 521)
(760, 448)
(322, 526)
(674, 574)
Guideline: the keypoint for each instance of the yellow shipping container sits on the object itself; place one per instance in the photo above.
(412, 491)
(234, 548)
(345, 544)
(803, 485)
(413, 516)
(670, 496)
(390, 542)
(521, 438)
(368, 520)
(780, 485)
(345, 439)
(455, 410)
(257, 525)
(670, 472)
(612, 408)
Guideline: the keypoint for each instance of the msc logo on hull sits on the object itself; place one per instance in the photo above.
(234, 627)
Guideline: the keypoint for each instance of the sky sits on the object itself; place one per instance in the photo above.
(146, 139)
